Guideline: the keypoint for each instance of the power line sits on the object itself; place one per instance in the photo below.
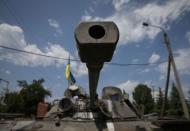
(54, 57)
(28, 52)
(19, 22)
(136, 64)
(76, 60)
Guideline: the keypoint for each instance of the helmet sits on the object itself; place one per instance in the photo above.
(73, 87)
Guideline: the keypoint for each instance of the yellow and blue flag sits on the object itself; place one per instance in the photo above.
(67, 71)
(69, 76)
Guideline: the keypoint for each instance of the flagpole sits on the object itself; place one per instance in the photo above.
(68, 83)
(69, 76)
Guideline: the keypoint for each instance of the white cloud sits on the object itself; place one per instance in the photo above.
(10, 34)
(130, 21)
(148, 83)
(188, 36)
(135, 60)
(129, 30)
(161, 13)
(79, 69)
(182, 62)
(58, 77)
(154, 58)
(146, 70)
(13, 36)
(119, 4)
(55, 24)
(8, 72)
(186, 89)
(128, 86)
(95, 2)
(91, 9)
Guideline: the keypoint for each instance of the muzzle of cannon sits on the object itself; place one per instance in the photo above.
(96, 42)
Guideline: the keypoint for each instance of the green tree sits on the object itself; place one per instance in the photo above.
(3, 106)
(159, 101)
(32, 94)
(26, 100)
(188, 101)
(175, 103)
(13, 102)
(143, 98)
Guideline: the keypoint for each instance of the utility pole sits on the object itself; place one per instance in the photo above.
(166, 87)
(153, 92)
(170, 53)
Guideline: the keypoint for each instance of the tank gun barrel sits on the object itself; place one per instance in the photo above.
(96, 42)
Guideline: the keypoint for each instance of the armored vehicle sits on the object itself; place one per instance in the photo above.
(96, 42)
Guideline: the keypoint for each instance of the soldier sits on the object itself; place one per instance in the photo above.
(74, 91)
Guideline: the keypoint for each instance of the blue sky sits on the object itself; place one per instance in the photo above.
(47, 27)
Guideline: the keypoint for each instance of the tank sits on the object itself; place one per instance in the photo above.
(78, 111)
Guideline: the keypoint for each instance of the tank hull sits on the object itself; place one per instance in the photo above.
(82, 125)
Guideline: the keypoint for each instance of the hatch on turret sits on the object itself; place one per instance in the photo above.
(112, 93)
(114, 105)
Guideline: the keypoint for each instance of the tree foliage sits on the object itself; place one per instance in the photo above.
(27, 99)
(32, 95)
(175, 103)
(188, 101)
(14, 102)
(159, 101)
(143, 98)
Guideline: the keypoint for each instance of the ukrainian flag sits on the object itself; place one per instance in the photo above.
(69, 76)
(67, 71)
